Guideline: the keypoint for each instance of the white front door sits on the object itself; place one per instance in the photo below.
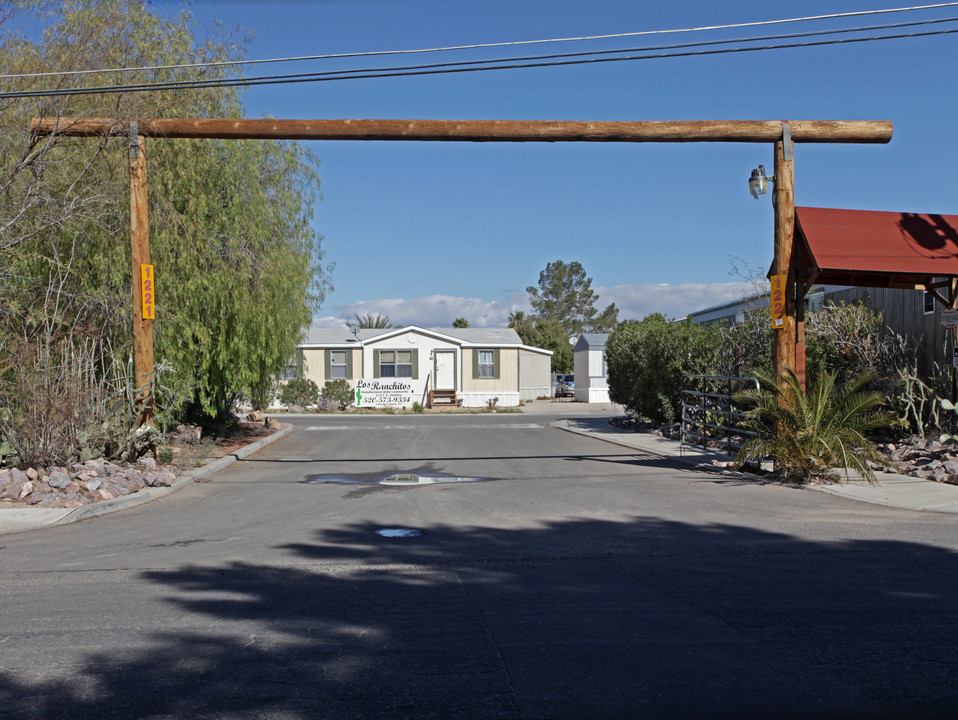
(444, 369)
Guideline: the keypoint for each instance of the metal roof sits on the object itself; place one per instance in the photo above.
(470, 336)
(591, 340)
(874, 248)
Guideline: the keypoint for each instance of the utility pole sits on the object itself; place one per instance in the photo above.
(783, 263)
(144, 283)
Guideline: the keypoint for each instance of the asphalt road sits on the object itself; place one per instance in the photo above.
(579, 579)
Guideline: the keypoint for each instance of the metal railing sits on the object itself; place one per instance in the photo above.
(709, 415)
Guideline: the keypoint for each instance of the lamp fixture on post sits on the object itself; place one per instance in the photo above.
(758, 182)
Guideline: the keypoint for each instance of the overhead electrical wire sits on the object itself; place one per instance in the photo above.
(533, 61)
(374, 53)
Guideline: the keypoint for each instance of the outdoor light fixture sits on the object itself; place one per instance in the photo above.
(758, 183)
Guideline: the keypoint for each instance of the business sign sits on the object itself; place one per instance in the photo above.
(949, 318)
(778, 301)
(384, 393)
(147, 286)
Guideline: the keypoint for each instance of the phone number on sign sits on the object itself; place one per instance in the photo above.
(387, 399)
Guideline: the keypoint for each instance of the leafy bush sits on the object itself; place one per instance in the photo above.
(417, 407)
(646, 359)
(339, 392)
(299, 391)
(261, 394)
(326, 405)
(807, 434)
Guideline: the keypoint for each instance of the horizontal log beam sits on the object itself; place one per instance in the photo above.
(756, 131)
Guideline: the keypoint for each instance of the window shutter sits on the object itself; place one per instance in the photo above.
(495, 364)
(299, 363)
(475, 364)
(375, 363)
(349, 364)
(327, 363)
(415, 363)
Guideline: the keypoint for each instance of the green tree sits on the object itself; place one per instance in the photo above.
(546, 334)
(239, 269)
(646, 359)
(606, 321)
(460, 323)
(565, 294)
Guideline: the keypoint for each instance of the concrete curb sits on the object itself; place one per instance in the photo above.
(897, 491)
(31, 518)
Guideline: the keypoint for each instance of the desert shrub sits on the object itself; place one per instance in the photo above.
(809, 433)
(65, 398)
(299, 391)
(339, 392)
(746, 348)
(417, 407)
(850, 340)
(646, 359)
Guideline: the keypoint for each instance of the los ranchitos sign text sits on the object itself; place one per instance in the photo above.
(371, 393)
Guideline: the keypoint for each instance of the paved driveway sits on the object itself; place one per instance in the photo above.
(580, 577)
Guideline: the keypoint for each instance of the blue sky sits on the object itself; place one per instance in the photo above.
(428, 232)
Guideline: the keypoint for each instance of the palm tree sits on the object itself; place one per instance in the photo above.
(516, 319)
(370, 322)
(460, 323)
(807, 434)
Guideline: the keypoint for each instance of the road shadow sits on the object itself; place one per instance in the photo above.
(574, 618)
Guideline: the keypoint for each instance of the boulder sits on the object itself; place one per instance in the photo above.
(101, 494)
(271, 423)
(163, 479)
(58, 480)
(188, 434)
(255, 416)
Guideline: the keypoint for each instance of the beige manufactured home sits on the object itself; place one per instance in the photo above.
(395, 367)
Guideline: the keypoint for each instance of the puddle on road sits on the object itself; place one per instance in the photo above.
(395, 479)
(398, 532)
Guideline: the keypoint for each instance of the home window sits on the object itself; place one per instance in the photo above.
(487, 364)
(294, 368)
(395, 363)
(928, 302)
(337, 364)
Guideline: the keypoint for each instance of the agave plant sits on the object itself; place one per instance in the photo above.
(809, 434)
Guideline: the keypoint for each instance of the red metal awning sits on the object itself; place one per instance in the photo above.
(873, 248)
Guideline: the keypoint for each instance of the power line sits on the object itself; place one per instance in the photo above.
(227, 63)
(448, 68)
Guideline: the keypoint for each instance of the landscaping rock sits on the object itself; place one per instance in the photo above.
(271, 423)
(255, 416)
(59, 480)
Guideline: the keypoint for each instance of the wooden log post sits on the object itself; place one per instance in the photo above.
(143, 281)
(639, 131)
(783, 261)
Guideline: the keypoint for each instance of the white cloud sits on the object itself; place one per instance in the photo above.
(438, 310)
(633, 301)
(673, 301)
